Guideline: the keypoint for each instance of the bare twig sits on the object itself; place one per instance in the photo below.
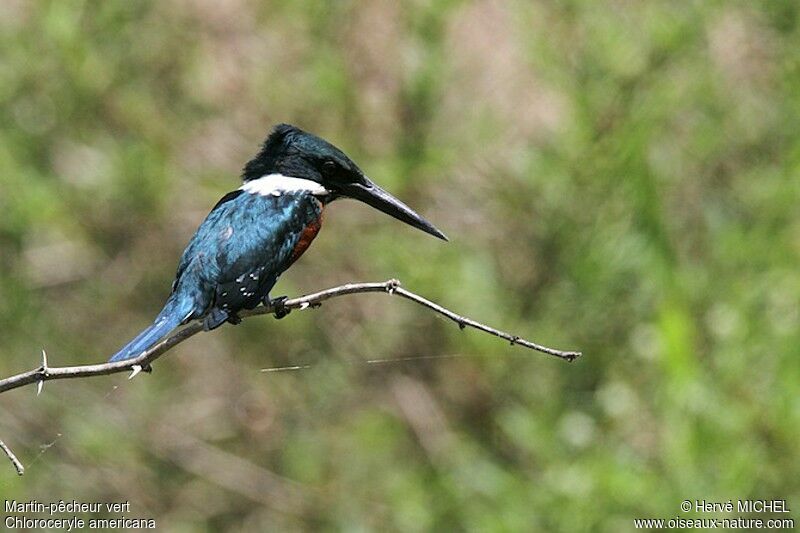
(14, 461)
(391, 287)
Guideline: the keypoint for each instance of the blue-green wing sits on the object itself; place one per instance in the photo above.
(241, 248)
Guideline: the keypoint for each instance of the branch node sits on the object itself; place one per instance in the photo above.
(392, 285)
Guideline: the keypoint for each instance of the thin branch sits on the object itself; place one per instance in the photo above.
(391, 287)
(14, 461)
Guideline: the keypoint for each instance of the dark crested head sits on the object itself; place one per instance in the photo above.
(292, 152)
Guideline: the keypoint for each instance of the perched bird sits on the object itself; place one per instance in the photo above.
(256, 232)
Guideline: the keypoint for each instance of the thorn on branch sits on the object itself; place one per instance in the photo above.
(135, 369)
(43, 372)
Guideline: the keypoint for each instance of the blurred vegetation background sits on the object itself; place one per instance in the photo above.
(618, 177)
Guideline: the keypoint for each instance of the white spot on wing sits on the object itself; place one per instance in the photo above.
(226, 233)
(275, 184)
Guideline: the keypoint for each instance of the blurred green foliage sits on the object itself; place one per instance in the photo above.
(616, 177)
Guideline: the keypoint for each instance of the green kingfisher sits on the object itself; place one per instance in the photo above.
(259, 230)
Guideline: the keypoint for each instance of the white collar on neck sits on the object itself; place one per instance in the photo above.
(277, 184)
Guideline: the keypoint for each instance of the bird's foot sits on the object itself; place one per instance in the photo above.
(279, 306)
(234, 319)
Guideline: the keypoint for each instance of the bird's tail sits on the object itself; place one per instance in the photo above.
(175, 312)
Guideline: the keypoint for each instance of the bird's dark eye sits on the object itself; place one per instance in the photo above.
(329, 167)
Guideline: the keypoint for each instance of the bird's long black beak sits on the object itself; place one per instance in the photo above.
(371, 194)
